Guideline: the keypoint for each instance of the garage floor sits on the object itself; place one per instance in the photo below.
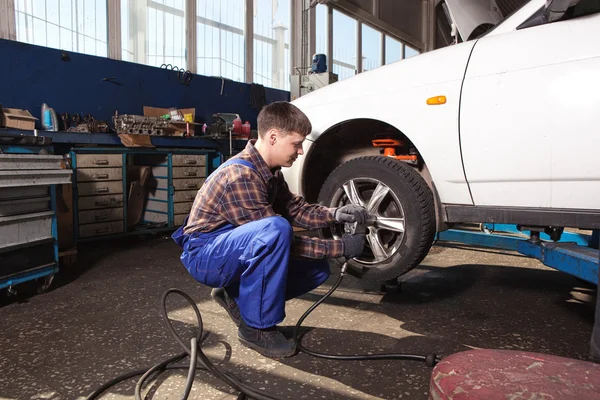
(102, 319)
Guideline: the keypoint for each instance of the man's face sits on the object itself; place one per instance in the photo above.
(287, 148)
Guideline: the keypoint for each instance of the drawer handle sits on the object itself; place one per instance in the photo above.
(190, 162)
(190, 173)
(101, 162)
(191, 185)
(102, 190)
(101, 217)
(100, 176)
(104, 230)
(102, 203)
(189, 197)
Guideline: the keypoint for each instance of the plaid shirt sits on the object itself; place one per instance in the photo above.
(237, 194)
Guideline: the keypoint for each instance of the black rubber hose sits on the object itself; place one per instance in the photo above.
(129, 375)
(157, 368)
(430, 359)
(228, 378)
(192, 369)
(246, 391)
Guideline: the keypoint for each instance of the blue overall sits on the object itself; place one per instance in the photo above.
(253, 263)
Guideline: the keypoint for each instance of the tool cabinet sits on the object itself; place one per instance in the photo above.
(28, 205)
(103, 190)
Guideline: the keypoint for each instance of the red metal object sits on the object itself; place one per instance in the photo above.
(518, 375)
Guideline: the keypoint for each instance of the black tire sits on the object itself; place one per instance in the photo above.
(406, 197)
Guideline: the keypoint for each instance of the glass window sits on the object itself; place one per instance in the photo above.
(344, 45)
(393, 50)
(272, 43)
(72, 25)
(220, 38)
(321, 29)
(410, 52)
(371, 48)
(153, 32)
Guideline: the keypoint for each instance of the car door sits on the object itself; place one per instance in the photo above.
(530, 116)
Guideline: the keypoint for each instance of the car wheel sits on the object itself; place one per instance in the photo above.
(403, 206)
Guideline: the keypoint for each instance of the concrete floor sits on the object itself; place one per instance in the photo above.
(102, 319)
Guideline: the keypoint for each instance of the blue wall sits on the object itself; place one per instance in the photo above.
(32, 75)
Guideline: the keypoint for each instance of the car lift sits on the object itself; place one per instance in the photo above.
(574, 253)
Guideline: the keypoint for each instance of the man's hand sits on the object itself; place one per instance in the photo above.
(353, 244)
(351, 213)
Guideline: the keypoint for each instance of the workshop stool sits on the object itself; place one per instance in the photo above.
(518, 375)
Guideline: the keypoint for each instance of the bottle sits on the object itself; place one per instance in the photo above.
(237, 125)
(246, 129)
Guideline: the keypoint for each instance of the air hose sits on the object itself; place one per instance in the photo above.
(197, 356)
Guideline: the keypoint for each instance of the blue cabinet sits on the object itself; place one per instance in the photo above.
(132, 191)
(28, 224)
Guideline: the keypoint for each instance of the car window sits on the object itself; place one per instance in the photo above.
(584, 7)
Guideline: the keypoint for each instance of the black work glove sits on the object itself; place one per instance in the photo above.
(353, 244)
(351, 213)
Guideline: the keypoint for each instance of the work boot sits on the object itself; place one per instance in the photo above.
(268, 342)
(228, 303)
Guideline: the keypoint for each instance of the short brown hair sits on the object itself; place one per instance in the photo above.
(285, 117)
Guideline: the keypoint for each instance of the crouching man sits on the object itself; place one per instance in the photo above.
(238, 238)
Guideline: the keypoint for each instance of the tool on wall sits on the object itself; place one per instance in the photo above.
(183, 76)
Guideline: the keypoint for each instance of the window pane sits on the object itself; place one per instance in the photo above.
(371, 48)
(393, 50)
(272, 43)
(410, 52)
(321, 29)
(72, 25)
(344, 45)
(153, 32)
(220, 38)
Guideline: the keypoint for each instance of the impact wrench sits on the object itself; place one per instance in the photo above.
(246, 391)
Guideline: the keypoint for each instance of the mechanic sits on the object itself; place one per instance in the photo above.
(238, 237)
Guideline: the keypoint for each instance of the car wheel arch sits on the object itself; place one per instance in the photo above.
(351, 139)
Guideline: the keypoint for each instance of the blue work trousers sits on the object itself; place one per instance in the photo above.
(253, 263)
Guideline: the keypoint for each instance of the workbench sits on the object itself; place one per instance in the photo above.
(105, 197)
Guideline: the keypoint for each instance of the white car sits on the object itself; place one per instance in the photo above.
(504, 128)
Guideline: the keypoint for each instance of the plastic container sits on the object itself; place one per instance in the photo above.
(237, 125)
(246, 129)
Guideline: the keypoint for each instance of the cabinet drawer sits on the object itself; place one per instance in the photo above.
(95, 188)
(160, 172)
(93, 216)
(26, 228)
(179, 218)
(159, 195)
(99, 160)
(182, 208)
(103, 228)
(24, 206)
(91, 203)
(188, 184)
(99, 174)
(182, 160)
(150, 216)
(23, 192)
(184, 195)
(189, 172)
(157, 206)
(162, 183)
